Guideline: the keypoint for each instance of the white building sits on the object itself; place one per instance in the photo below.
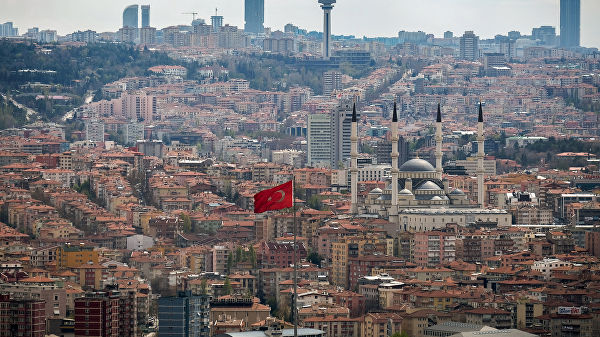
(134, 131)
(94, 130)
(48, 36)
(139, 242)
(546, 265)
(489, 166)
(319, 140)
(287, 157)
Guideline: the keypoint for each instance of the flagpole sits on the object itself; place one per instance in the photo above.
(295, 301)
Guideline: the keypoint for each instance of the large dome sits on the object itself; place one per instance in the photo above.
(429, 186)
(417, 165)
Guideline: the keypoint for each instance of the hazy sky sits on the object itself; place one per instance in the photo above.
(358, 17)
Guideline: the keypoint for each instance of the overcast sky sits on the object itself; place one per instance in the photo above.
(350, 17)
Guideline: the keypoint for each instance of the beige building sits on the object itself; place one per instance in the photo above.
(232, 308)
(355, 246)
(381, 324)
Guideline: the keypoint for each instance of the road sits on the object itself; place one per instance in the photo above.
(88, 99)
(30, 113)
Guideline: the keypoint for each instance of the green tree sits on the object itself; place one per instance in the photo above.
(238, 255)
(203, 287)
(187, 223)
(227, 289)
(229, 263)
(315, 203)
(400, 334)
(314, 258)
(252, 254)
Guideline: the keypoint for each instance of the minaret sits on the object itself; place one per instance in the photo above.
(354, 163)
(438, 143)
(395, 159)
(480, 154)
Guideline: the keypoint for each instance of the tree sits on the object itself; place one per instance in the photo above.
(315, 203)
(238, 255)
(252, 254)
(187, 223)
(204, 287)
(314, 258)
(227, 289)
(400, 334)
(229, 263)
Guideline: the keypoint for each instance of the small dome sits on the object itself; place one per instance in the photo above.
(376, 190)
(405, 192)
(436, 198)
(417, 165)
(457, 191)
(429, 186)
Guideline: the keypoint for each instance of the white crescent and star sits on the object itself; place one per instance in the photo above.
(282, 192)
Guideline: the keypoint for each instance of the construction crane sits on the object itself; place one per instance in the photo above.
(193, 15)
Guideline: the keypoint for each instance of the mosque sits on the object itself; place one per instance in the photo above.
(418, 197)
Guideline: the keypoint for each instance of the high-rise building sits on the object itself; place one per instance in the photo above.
(469, 46)
(184, 315)
(319, 140)
(329, 137)
(332, 80)
(384, 150)
(94, 130)
(48, 36)
(412, 37)
(327, 6)
(341, 127)
(448, 34)
(7, 29)
(22, 317)
(546, 34)
(130, 16)
(254, 14)
(145, 16)
(570, 13)
(216, 22)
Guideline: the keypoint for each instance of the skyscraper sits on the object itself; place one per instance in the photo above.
(469, 46)
(254, 14)
(145, 16)
(570, 12)
(130, 16)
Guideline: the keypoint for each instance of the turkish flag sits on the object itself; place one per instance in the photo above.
(278, 197)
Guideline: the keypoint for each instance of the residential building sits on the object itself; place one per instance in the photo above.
(496, 318)
(432, 248)
(94, 131)
(332, 81)
(22, 317)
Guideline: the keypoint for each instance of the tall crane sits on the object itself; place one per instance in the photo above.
(193, 14)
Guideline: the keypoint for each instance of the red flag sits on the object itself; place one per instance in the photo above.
(278, 197)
